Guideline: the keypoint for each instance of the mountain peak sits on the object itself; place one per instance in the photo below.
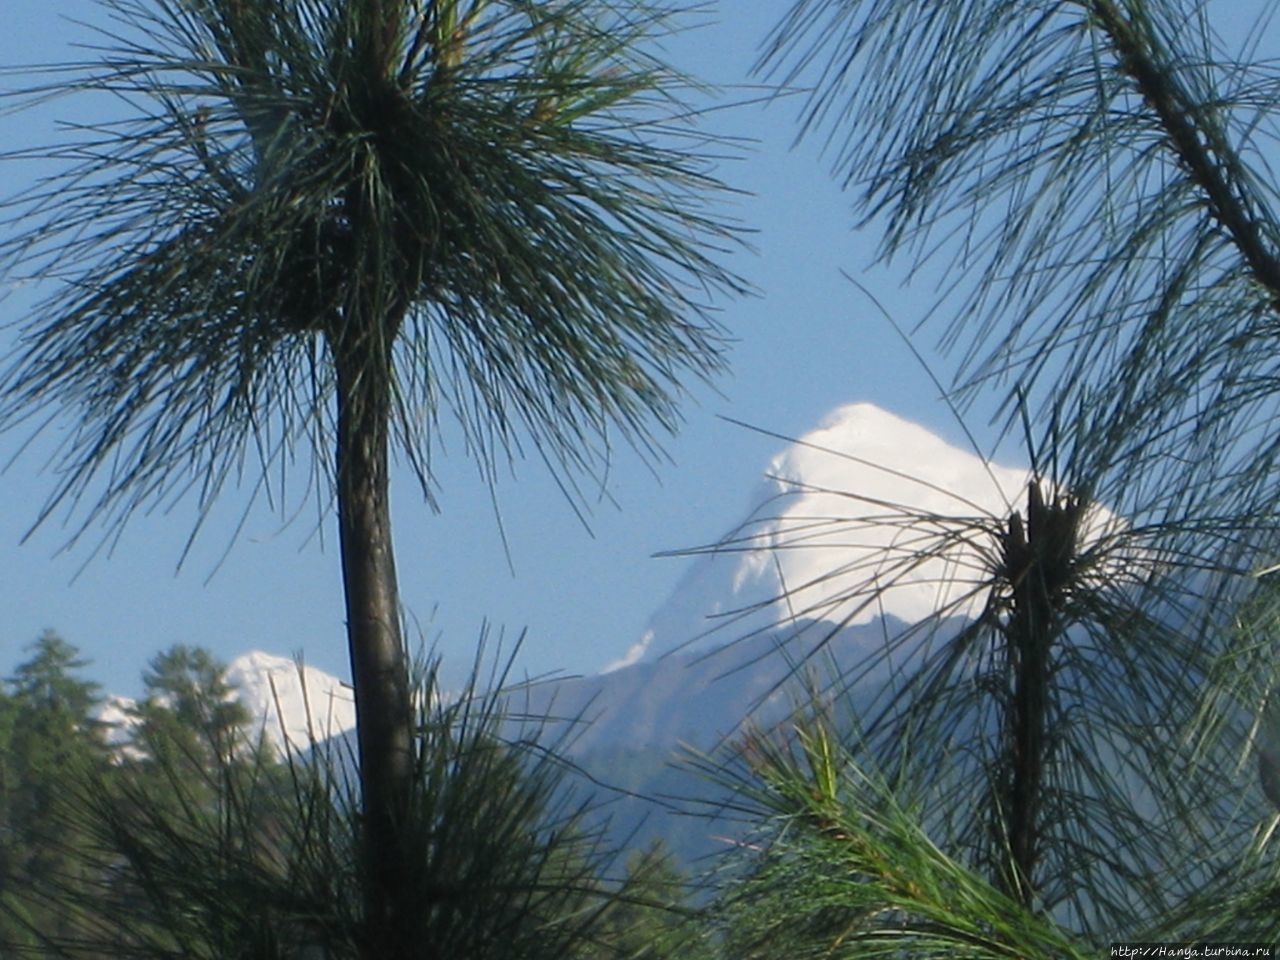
(296, 704)
(292, 704)
(833, 533)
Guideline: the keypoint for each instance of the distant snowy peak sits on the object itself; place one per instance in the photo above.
(294, 704)
(288, 703)
(842, 512)
(855, 503)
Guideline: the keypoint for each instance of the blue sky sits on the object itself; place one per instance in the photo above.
(807, 343)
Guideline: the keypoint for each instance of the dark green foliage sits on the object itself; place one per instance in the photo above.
(48, 682)
(204, 854)
(844, 869)
(47, 739)
(650, 917)
(190, 711)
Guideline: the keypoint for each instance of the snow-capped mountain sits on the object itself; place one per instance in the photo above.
(839, 518)
(295, 704)
(828, 524)
(113, 713)
(291, 704)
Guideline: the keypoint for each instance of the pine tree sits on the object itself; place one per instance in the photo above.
(190, 711)
(1066, 769)
(48, 741)
(329, 221)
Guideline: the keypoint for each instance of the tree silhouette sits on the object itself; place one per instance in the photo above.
(315, 226)
(168, 854)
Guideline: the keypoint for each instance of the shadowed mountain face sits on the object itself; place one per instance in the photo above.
(635, 731)
(697, 699)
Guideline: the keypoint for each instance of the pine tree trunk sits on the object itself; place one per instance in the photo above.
(1038, 556)
(378, 662)
(1030, 636)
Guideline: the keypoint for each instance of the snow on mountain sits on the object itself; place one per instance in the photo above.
(294, 704)
(826, 527)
